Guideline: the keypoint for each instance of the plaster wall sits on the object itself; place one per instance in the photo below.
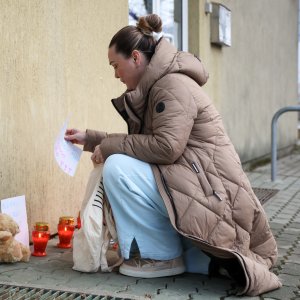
(53, 66)
(257, 75)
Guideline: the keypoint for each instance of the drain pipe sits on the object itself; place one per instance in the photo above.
(274, 137)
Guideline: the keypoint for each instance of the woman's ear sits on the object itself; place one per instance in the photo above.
(136, 56)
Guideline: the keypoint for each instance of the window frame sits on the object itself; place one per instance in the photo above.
(184, 20)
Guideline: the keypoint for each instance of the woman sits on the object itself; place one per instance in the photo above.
(175, 177)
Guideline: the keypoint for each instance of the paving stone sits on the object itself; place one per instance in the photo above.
(295, 225)
(284, 244)
(244, 298)
(47, 282)
(188, 294)
(11, 267)
(295, 259)
(289, 280)
(149, 287)
(297, 293)
(282, 252)
(173, 295)
(287, 237)
(290, 201)
(286, 216)
(23, 275)
(276, 226)
(296, 250)
(276, 233)
(284, 293)
(86, 281)
(292, 231)
(204, 296)
(6, 279)
(206, 283)
(271, 213)
(291, 269)
(281, 221)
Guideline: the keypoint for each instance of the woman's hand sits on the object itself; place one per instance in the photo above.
(75, 136)
(97, 156)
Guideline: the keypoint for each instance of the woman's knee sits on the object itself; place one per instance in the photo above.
(120, 166)
(112, 167)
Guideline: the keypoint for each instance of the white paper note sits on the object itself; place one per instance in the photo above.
(16, 208)
(66, 154)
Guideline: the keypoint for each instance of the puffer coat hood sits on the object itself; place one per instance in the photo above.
(173, 125)
(166, 61)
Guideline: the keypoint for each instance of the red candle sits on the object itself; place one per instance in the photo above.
(65, 230)
(40, 238)
(78, 221)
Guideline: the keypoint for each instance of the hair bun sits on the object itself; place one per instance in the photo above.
(149, 24)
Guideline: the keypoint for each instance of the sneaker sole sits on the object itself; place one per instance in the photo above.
(153, 274)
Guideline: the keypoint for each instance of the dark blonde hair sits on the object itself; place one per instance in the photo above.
(139, 37)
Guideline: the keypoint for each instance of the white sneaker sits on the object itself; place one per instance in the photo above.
(149, 268)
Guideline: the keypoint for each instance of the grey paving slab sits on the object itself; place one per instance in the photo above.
(289, 280)
(282, 253)
(295, 225)
(244, 298)
(293, 258)
(284, 293)
(296, 250)
(290, 269)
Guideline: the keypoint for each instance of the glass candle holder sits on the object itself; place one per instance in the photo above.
(40, 238)
(78, 221)
(65, 229)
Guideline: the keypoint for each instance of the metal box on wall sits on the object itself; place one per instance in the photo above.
(220, 25)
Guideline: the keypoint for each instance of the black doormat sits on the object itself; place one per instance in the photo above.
(264, 195)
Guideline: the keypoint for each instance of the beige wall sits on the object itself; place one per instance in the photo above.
(53, 65)
(257, 75)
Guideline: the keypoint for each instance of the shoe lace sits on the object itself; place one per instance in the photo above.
(144, 261)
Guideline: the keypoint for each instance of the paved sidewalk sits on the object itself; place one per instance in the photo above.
(55, 272)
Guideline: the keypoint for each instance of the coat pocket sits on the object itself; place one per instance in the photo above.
(206, 187)
(205, 184)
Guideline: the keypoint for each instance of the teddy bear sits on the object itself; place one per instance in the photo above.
(10, 249)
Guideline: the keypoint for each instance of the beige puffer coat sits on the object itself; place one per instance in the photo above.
(174, 126)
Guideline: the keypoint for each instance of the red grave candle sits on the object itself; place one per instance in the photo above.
(65, 230)
(78, 221)
(40, 238)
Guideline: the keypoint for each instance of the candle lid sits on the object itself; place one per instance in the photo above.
(41, 226)
(66, 220)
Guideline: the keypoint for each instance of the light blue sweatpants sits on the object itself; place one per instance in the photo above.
(140, 214)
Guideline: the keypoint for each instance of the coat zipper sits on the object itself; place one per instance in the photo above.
(169, 195)
(194, 166)
(216, 194)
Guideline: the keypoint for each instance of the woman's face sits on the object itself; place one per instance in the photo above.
(128, 70)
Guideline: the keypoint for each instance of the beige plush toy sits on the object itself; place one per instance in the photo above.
(10, 249)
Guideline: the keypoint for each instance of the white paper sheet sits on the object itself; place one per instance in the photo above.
(16, 208)
(66, 154)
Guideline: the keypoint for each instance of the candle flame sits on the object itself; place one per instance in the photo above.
(65, 229)
(40, 235)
